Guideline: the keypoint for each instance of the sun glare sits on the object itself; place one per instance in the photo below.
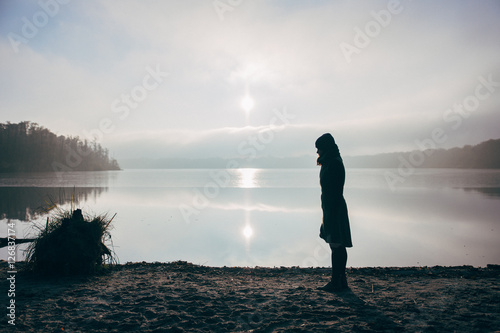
(247, 178)
(248, 232)
(247, 103)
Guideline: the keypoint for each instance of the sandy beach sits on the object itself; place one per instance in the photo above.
(182, 297)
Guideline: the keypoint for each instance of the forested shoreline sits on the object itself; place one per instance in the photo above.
(485, 155)
(29, 147)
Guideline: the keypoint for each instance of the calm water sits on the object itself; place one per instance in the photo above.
(270, 217)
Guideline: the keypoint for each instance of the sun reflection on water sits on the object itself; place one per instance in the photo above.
(247, 178)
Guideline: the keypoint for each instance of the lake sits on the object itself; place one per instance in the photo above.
(271, 217)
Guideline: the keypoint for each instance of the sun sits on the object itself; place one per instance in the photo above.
(247, 103)
(248, 232)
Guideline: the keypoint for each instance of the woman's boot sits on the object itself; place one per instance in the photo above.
(334, 285)
(339, 279)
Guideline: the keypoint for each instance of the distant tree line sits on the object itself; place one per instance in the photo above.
(485, 155)
(28, 147)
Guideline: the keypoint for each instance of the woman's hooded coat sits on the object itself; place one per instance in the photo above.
(335, 227)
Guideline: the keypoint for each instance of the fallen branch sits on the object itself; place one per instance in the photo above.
(4, 241)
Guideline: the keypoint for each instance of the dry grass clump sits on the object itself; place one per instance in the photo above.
(69, 244)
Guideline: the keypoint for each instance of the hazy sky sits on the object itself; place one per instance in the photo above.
(168, 78)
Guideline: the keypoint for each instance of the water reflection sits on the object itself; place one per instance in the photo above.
(247, 231)
(487, 191)
(272, 217)
(60, 179)
(409, 227)
(247, 177)
(424, 227)
(27, 203)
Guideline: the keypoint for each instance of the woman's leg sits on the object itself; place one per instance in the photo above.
(339, 261)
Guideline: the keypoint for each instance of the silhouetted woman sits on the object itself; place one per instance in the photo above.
(335, 228)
